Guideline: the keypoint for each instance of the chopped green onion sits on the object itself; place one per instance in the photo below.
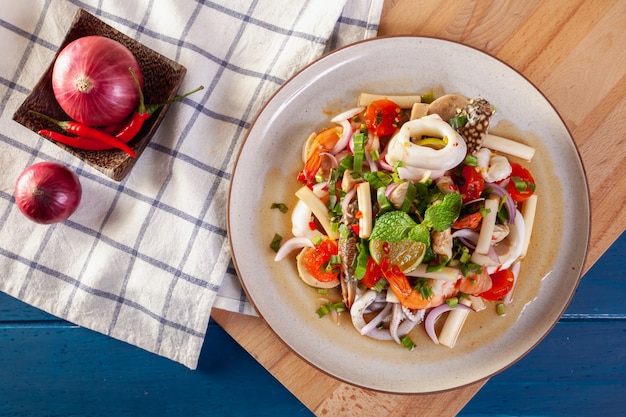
(380, 285)
(465, 255)
(458, 122)
(452, 302)
(383, 201)
(437, 267)
(339, 307)
(361, 259)
(428, 97)
(375, 155)
(326, 308)
(425, 291)
(317, 240)
(322, 291)
(500, 309)
(471, 160)
(359, 151)
(275, 245)
(407, 343)
(323, 310)
(522, 186)
(280, 206)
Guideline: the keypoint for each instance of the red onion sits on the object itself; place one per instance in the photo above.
(47, 192)
(92, 81)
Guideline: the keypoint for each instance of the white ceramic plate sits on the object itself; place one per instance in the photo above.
(266, 173)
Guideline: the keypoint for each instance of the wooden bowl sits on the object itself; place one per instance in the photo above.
(162, 79)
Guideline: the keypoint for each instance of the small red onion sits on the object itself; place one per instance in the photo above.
(47, 192)
(92, 81)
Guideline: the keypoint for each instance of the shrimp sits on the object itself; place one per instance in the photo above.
(322, 142)
(412, 298)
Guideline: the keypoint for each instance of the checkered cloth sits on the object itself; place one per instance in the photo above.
(146, 259)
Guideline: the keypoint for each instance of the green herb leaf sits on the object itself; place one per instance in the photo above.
(393, 226)
(441, 215)
(420, 233)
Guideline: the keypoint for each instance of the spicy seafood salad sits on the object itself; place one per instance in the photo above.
(415, 211)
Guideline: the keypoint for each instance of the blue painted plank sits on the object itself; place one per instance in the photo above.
(49, 368)
(78, 372)
(579, 369)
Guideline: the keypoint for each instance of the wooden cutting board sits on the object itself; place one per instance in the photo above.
(573, 51)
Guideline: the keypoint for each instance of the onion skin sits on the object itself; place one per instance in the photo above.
(92, 82)
(47, 192)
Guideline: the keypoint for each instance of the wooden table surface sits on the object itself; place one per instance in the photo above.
(573, 51)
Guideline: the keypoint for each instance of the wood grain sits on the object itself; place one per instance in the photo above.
(572, 50)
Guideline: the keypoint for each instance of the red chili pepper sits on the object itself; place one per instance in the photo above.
(88, 132)
(77, 142)
(144, 111)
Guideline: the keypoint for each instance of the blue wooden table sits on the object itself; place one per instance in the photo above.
(49, 367)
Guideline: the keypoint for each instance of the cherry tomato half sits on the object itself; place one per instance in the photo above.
(474, 184)
(316, 260)
(521, 183)
(373, 274)
(381, 117)
(502, 282)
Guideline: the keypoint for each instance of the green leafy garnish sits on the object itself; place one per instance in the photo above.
(275, 244)
(442, 215)
(280, 206)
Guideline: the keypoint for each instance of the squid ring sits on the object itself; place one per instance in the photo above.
(417, 156)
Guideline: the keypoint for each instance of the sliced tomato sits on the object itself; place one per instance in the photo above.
(381, 117)
(521, 183)
(316, 261)
(502, 282)
(373, 274)
(473, 185)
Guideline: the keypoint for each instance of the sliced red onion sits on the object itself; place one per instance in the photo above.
(509, 204)
(474, 201)
(347, 199)
(390, 188)
(346, 134)
(433, 316)
(333, 159)
(292, 244)
(467, 237)
(348, 114)
(382, 164)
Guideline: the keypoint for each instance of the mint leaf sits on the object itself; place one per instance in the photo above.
(393, 226)
(420, 233)
(441, 215)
